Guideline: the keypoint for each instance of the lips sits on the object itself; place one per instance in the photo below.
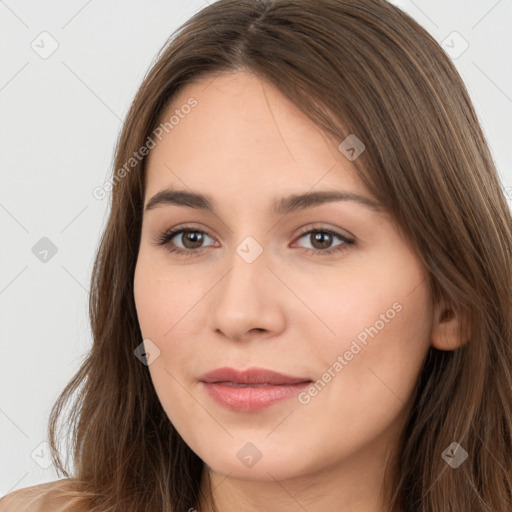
(251, 390)
(251, 377)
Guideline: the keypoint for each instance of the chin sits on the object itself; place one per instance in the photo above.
(245, 461)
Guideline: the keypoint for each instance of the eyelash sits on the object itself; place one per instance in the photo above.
(166, 237)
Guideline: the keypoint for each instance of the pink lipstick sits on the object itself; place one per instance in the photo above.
(252, 389)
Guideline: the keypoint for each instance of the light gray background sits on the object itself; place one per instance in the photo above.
(60, 117)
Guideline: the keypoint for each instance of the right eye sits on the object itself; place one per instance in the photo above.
(188, 236)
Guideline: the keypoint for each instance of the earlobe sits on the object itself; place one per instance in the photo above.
(447, 333)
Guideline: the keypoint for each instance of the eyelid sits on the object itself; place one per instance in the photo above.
(319, 226)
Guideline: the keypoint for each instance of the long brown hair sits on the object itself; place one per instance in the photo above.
(359, 67)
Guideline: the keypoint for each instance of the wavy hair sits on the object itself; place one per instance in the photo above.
(359, 67)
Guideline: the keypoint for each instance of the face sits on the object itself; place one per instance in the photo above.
(326, 292)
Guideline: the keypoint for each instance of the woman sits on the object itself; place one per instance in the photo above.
(302, 298)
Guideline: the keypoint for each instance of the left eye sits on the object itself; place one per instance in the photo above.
(321, 239)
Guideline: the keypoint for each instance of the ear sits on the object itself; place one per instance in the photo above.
(447, 331)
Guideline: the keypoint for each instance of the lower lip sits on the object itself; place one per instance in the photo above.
(252, 398)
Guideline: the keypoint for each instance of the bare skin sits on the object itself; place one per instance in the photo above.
(290, 310)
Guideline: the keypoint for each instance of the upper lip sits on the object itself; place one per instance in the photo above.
(251, 376)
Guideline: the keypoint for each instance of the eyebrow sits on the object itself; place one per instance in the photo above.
(283, 206)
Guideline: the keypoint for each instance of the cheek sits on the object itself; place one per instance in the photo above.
(379, 298)
(381, 320)
(164, 309)
(165, 302)
(162, 297)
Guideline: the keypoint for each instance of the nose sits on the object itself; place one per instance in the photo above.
(248, 301)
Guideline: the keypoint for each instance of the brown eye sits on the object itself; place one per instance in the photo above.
(321, 241)
(191, 239)
(183, 241)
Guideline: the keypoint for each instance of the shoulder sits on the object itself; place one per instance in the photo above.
(37, 498)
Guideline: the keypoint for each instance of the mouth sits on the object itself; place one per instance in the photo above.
(252, 389)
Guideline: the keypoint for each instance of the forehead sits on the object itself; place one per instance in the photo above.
(243, 135)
